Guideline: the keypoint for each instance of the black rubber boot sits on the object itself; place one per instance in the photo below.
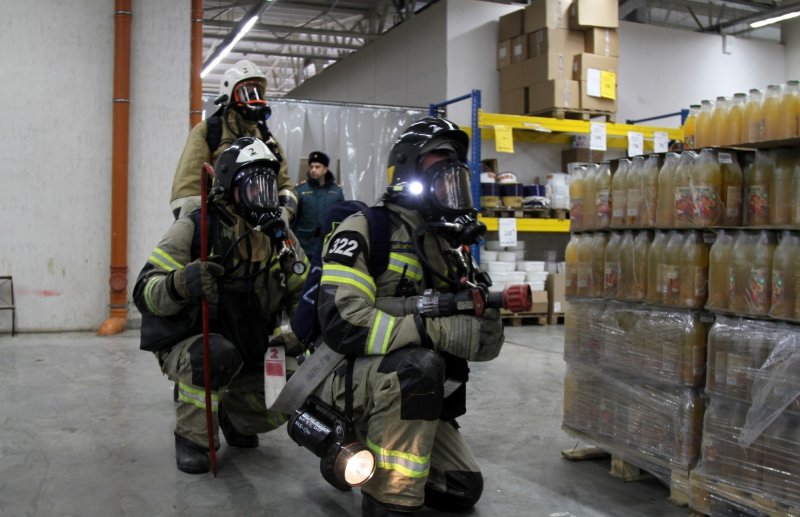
(190, 457)
(232, 436)
(370, 507)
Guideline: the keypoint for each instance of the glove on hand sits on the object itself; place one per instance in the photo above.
(468, 337)
(492, 336)
(198, 279)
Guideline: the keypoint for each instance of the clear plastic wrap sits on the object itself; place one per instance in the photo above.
(749, 259)
(655, 345)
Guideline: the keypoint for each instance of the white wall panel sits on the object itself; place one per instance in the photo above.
(791, 39)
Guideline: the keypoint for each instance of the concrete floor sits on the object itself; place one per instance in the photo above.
(86, 429)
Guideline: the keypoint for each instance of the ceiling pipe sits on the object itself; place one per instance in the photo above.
(118, 281)
(763, 15)
(195, 82)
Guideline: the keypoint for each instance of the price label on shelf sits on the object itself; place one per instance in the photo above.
(503, 139)
(597, 136)
(635, 143)
(660, 141)
(507, 228)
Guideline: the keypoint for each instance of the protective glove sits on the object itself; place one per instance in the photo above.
(198, 279)
(492, 336)
(468, 337)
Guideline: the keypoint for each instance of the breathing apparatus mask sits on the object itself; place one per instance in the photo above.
(248, 99)
(256, 194)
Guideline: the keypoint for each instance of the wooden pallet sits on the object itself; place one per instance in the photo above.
(521, 318)
(518, 213)
(555, 318)
(562, 214)
(703, 489)
(561, 113)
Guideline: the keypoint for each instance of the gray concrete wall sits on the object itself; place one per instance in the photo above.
(791, 39)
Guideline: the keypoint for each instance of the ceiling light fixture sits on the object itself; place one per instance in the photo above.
(239, 35)
(774, 19)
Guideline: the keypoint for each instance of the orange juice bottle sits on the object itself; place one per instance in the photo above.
(757, 182)
(576, 200)
(584, 264)
(634, 213)
(771, 113)
(703, 134)
(611, 266)
(758, 289)
(794, 215)
(589, 197)
(672, 268)
(753, 119)
(733, 133)
(707, 185)
(694, 271)
(619, 194)
(683, 202)
(790, 110)
(641, 247)
(571, 266)
(719, 257)
(625, 266)
(596, 264)
(649, 191)
(739, 271)
(690, 127)
(602, 189)
(656, 286)
(665, 207)
(785, 266)
(780, 205)
(719, 115)
(732, 184)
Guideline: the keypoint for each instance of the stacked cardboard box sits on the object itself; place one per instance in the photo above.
(558, 55)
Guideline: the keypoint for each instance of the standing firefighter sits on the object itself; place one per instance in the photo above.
(243, 112)
(254, 271)
(406, 347)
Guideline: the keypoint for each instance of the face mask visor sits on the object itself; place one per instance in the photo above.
(258, 189)
(450, 187)
(250, 93)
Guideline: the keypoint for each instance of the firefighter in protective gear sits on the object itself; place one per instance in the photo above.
(243, 112)
(410, 369)
(250, 278)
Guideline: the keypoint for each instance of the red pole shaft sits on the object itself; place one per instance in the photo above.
(212, 452)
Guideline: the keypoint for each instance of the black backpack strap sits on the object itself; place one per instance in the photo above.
(214, 133)
(379, 240)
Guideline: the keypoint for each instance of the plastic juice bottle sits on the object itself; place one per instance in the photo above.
(611, 266)
(707, 186)
(665, 207)
(602, 188)
(735, 121)
(589, 197)
(794, 215)
(672, 268)
(770, 108)
(785, 267)
(732, 181)
(693, 348)
(576, 200)
(571, 266)
(655, 255)
(753, 119)
(649, 191)
(694, 271)
(719, 115)
(739, 271)
(596, 264)
(633, 217)
(757, 181)
(619, 194)
(780, 205)
(683, 203)
(584, 265)
(641, 247)
(719, 257)
(758, 289)
(626, 266)
(690, 127)
(790, 110)
(703, 136)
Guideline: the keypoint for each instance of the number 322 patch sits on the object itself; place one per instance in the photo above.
(345, 247)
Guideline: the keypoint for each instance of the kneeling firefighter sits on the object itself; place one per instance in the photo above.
(404, 330)
(255, 271)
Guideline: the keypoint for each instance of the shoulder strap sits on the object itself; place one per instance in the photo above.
(214, 133)
(379, 240)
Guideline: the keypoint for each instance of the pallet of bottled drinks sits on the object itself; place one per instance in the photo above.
(525, 212)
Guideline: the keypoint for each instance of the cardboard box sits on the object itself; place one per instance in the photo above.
(602, 42)
(579, 155)
(511, 25)
(585, 14)
(557, 93)
(540, 302)
(593, 103)
(555, 286)
(519, 49)
(551, 14)
(503, 54)
(512, 77)
(514, 102)
(567, 41)
(554, 65)
(583, 62)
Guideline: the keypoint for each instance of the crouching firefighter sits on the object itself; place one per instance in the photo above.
(255, 271)
(402, 308)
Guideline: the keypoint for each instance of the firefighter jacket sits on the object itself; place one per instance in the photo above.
(186, 181)
(254, 291)
(313, 202)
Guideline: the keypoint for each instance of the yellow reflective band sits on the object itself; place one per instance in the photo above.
(148, 293)
(378, 342)
(398, 262)
(196, 397)
(405, 463)
(297, 280)
(162, 259)
(344, 275)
